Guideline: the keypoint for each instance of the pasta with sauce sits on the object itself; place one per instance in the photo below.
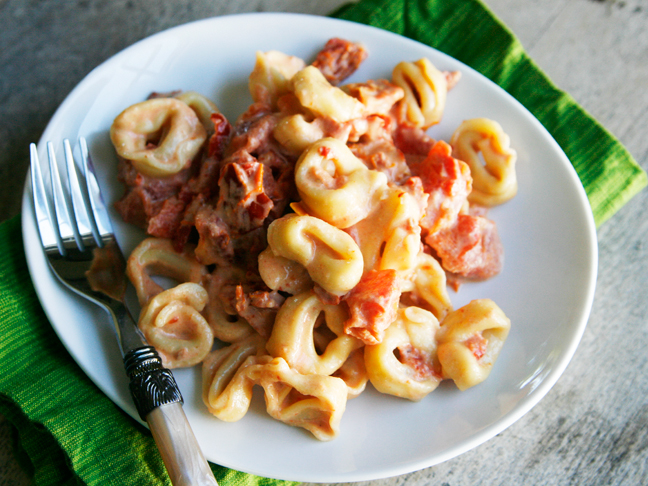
(314, 238)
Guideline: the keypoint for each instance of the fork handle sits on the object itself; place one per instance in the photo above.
(159, 402)
(178, 447)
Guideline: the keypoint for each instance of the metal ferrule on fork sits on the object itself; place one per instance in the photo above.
(151, 384)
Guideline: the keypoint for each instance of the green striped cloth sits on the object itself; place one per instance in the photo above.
(69, 433)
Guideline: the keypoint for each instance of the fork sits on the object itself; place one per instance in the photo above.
(82, 251)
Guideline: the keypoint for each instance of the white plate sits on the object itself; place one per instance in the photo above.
(546, 287)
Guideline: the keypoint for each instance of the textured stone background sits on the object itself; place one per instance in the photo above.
(592, 427)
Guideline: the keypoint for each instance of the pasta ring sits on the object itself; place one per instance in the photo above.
(283, 274)
(226, 389)
(314, 402)
(292, 335)
(425, 90)
(494, 180)
(335, 185)
(354, 373)
(180, 134)
(156, 255)
(470, 340)
(202, 106)
(390, 236)
(296, 134)
(228, 327)
(427, 288)
(413, 330)
(271, 76)
(316, 94)
(172, 323)
(330, 255)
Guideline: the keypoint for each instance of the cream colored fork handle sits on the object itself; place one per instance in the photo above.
(178, 447)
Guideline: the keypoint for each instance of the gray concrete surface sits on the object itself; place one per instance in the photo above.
(592, 427)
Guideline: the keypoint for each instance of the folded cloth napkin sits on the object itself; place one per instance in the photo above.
(69, 433)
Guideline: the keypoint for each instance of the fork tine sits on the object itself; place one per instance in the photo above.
(99, 211)
(78, 203)
(66, 229)
(49, 237)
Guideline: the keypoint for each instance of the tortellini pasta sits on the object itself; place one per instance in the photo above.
(271, 76)
(156, 256)
(331, 257)
(284, 274)
(335, 185)
(292, 336)
(354, 373)
(428, 287)
(470, 341)
(226, 389)
(160, 136)
(202, 106)
(314, 402)
(226, 324)
(172, 322)
(425, 90)
(494, 179)
(311, 255)
(405, 364)
(390, 237)
(296, 134)
(321, 98)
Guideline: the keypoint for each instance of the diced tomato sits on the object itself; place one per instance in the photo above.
(373, 304)
(470, 248)
(448, 182)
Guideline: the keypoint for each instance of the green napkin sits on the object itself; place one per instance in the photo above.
(469, 32)
(70, 433)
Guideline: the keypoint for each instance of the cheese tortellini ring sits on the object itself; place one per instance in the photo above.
(226, 389)
(202, 106)
(494, 179)
(321, 98)
(296, 134)
(173, 324)
(335, 185)
(331, 257)
(158, 257)
(415, 372)
(292, 335)
(470, 340)
(314, 402)
(428, 288)
(271, 76)
(169, 125)
(425, 90)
